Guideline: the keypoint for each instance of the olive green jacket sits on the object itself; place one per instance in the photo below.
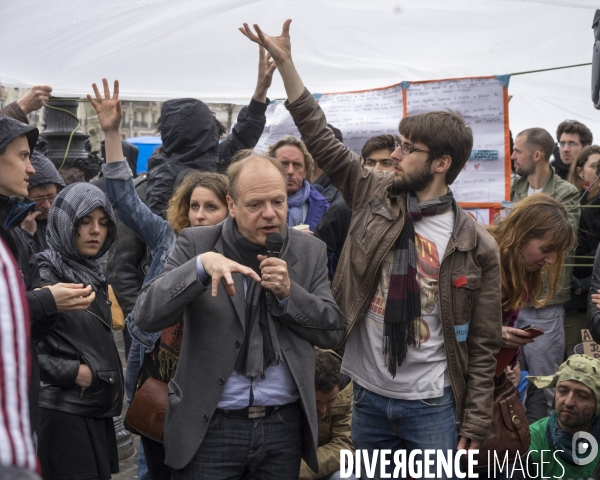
(334, 435)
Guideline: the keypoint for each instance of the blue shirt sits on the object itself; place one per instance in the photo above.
(277, 388)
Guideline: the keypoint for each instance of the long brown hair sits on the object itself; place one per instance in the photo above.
(534, 217)
(580, 162)
(179, 204)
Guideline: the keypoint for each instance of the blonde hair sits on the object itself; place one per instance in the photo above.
(179, 204)
(534, 217)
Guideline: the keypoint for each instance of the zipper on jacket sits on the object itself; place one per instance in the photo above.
(109, 326)
(81, 392)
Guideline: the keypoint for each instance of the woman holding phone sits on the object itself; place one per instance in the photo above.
(532, 240)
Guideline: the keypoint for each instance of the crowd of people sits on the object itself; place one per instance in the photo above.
(284, 306)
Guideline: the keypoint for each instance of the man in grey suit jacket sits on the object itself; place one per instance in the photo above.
(242, 402)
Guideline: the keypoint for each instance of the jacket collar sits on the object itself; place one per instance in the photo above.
(521, 187)
(464, 234)
(13, 210)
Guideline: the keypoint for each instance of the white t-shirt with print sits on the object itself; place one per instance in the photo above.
(423, 374)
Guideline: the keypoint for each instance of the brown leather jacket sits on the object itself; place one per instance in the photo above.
(472, 309)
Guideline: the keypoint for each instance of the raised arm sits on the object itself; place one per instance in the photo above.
(343, 167)
(152, 229)
(252, 119)
(280, 50)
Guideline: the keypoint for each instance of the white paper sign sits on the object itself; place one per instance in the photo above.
(362, 115)
(485, 216)
(481, 102)
(279, 124)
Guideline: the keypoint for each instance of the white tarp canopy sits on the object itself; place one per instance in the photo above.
(162, 49)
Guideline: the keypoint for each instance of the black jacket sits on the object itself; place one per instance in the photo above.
(191, 140)
(333, 230)
(327, 189)
(42, 307)
(128, 260)
(561, 169)
(593, 313)
(81, 337)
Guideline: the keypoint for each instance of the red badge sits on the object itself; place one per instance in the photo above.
(460, 281)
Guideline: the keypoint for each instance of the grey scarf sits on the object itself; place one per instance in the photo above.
(261, 346)
(62, 256)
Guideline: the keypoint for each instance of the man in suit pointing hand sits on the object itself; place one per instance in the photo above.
(242, 402)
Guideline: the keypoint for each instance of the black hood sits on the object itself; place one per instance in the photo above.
(189, 133)
(45, 172)
(11, 129)
(190, 140)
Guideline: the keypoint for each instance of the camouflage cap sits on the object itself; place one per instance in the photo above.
(581, 368)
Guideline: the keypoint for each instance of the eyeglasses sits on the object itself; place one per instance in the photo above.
(385, 162)
(407, 149)
(570, 144)
(40, 200)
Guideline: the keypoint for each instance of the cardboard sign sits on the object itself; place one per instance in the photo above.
(590, 348)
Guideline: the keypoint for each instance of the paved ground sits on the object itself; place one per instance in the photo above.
(127, 467)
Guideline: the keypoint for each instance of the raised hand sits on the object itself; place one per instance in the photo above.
(108, 108)
(280, 48)
(35, 98)
(266, 68)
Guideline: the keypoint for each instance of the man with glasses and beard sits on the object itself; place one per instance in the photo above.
(418, 281)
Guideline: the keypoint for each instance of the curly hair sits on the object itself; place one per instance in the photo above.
(535, 217)
(179, 204)
(327, 371)
(309, 163)
(574, 127)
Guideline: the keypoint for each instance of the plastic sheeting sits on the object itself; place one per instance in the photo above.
(162, 49)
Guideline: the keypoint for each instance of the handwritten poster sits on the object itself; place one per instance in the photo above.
(484, 182)
(481, 102)
(279, 124)
(362, 115)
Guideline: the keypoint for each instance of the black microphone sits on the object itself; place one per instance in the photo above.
(274, 247)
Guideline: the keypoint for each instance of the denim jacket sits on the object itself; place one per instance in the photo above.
(155, 231)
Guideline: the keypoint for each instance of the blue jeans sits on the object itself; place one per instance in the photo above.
(386, 423)
(267, 448)
(132, 370)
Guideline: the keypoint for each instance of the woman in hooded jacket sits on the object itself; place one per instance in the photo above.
(80, 368)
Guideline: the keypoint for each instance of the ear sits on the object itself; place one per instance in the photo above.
(442, 164)
(231, 206)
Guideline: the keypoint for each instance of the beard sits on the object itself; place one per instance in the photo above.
(417, 181)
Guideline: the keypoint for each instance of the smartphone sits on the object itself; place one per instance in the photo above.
(535, 331)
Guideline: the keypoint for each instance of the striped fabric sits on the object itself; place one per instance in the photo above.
(16, 446)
